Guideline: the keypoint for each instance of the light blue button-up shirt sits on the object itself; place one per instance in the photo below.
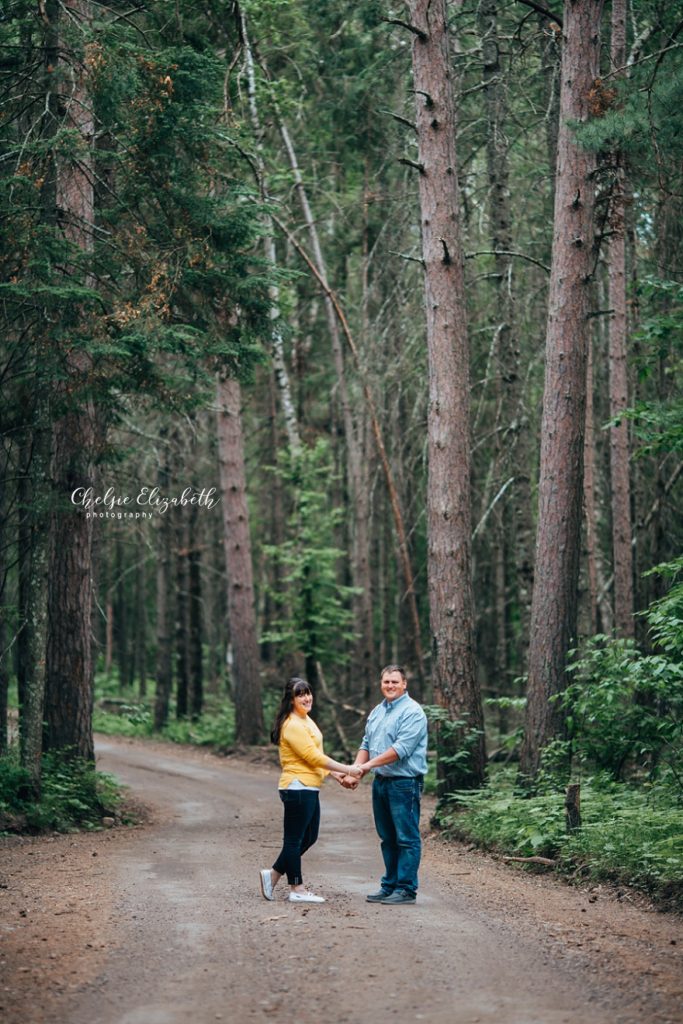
(401, 724)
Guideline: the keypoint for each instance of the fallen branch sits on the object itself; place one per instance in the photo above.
(546, 861)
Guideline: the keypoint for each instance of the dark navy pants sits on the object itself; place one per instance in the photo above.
(302, 822)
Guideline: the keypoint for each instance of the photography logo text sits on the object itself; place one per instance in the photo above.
(147, 503)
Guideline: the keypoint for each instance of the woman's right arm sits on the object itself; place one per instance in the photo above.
(303, 746)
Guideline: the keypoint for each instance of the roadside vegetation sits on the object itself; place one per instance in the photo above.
(623, 746)
(73, 796)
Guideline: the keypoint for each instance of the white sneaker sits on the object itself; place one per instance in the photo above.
(267, 884)
(305, 897)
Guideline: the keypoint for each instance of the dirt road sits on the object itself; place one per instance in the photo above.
(165, 924)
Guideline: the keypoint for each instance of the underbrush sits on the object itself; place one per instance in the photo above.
(118, 713)
(631, 836)
(74, 796)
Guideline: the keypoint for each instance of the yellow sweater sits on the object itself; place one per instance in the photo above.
(301, 752)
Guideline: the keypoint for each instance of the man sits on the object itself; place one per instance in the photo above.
(394, 747)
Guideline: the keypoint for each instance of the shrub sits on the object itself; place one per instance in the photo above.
(625, 708)
(629, 835)
(73, 795)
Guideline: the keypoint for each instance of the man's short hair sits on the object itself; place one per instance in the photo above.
(393, 668)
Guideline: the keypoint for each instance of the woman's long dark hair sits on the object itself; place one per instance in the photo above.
(294, 687)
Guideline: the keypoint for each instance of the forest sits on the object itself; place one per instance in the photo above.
(337, 335)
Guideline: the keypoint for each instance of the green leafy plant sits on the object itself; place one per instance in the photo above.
(631, 835)
(74, 795)
(625, 708)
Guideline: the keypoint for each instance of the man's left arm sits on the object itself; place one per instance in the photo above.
(410, 731)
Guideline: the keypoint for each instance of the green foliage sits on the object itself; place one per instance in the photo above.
(73, 795)
(628, 835)
(456, 740)
(315, 617)
(625, 708)
(640, 119)
(169, 288)
(214, 728)
(658, 423)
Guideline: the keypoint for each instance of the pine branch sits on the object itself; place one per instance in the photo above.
(401, 120)
(422, 36)
(405, 256)
(542, 10)
(412, 163)
(507, 252)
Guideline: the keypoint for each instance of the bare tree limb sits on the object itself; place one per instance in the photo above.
(507, 252)
(542, 10)
(482, 522)
(412, 163)
(401, 120)
(422, 36)
(405, 256)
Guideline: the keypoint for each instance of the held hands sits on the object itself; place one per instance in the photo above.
(352, 779)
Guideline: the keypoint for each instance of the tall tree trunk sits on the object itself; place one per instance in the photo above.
(32, 581)
(589, 496)
(618, 378)
(279, 364)
(554, 603)
(239, 569)
(551, 56)
(195, 616)
(448, 488)
(121, 614)
(516, 455)
(141, 617)
(68, 694)
(164, 599)
(182, 626)
(4, 647)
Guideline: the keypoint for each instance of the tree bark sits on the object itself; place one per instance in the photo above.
(514, 458)
(589, 496)
(195, 616)
(238, 562)
(121, 639)
(69, 669)
(618, 377)
(4, 651)
(164, 602)
(141, 618)
(279, 364)
(182, 625)
(554, 603)
(32, 582)
(448, 488)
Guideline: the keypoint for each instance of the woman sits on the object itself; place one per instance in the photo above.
(304, 766)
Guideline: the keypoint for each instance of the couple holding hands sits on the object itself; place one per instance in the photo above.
(394, 748)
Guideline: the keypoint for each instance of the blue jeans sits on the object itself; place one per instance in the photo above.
(396, 808)
(302, 822)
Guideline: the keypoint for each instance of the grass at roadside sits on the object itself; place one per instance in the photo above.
(631, 836)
